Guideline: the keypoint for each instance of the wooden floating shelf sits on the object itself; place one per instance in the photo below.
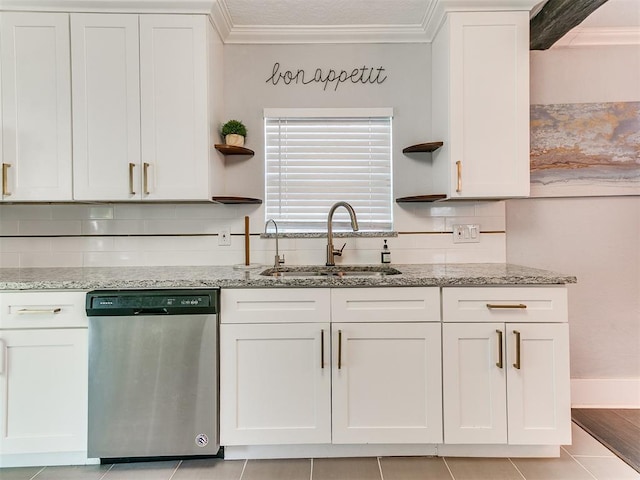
(423, 147)
(421, 198)
(236, 200)
(233, 150)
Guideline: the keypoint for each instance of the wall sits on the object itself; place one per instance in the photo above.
(595, 238)
(126, 234)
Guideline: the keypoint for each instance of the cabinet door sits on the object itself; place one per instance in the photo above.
(386, 383)
(487, 103)
(275, 384)
(539, 402)
(173, 85)
(106, 107)
(43, 391)
(474, 383)
(36, 106)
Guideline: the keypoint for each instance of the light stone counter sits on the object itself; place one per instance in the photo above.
(473, 274)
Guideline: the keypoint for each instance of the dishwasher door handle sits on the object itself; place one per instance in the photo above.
(151, 311)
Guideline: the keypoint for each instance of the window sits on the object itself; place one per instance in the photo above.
(316, 157)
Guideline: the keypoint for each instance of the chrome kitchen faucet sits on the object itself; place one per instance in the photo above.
(331, 252)
(277, 261)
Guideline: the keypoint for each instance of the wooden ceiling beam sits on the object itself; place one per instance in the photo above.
(556, 18)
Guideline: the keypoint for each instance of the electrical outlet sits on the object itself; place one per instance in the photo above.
(224, 237)
(466, 233)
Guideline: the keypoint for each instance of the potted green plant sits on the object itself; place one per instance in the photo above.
(234, 132)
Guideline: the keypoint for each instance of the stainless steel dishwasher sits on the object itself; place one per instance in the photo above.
(153, 381)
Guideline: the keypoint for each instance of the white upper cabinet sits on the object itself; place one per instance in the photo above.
(36, 107)
(173, 92)
(141, 107)
(106, 107)
(480, 96)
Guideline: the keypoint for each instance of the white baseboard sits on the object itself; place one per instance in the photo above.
(605, 393)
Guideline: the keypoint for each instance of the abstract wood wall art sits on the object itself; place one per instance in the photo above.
(585, 149)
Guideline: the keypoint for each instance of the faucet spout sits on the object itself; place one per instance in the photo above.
(277, 260)
(331, 252)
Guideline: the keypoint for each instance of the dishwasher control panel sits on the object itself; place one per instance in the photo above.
(151, 302)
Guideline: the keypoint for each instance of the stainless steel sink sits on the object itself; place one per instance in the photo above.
(337, 271)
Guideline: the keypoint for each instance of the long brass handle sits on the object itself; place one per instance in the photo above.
(499, 363)
(321, 348)
(517, 364)
(29, 311)
(3, 353)
(339, 349)
(5, 179)
(145, 178)
(459, 175)
(520, 306)
(131, 189)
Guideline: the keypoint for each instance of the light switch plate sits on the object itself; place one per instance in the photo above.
(466, 233)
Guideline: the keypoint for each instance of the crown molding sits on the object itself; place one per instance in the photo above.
(597, 36)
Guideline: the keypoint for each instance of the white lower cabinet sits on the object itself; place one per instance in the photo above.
(506, 382)
(275, 384)
(320, 382)
(386, 383)
(43, 378)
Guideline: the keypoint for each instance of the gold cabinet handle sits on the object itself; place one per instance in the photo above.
(339, 349)
(520, 306)
(145, 177)
(499, 363)
(321, 348)
(459, 175)
(131, 189)
(5, 179)
(517, 364)
(31, 311)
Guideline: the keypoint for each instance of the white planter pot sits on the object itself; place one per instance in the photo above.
(234, 139)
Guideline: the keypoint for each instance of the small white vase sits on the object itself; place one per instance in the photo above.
(234, 140)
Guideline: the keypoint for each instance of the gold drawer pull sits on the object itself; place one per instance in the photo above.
(499, 363)
(146, 178)
(518, 363)
(131, 189)
(30, 311)
(339, 349)
(5, 179)
(459, 174)
(520, 306)
(321, 348)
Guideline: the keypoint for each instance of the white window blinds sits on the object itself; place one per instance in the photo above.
(316, 157)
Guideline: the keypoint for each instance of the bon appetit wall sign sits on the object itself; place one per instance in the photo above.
(327, 77)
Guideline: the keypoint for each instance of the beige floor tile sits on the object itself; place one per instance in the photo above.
(80, 472)
(142, 471)
(584, 444)
(414, 468)
(25, 473)
(209, 469)
(609, 468)
(562, 468)
(285, 469)
(346, 469)
(482, 469)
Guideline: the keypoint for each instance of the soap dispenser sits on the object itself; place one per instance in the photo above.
(385, 254)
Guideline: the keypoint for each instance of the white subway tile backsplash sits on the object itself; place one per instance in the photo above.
(186, 234)
(50, 259)
(49, 227)
(9, 260)
(112, 227)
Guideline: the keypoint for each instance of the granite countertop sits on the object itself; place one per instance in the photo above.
(415, 275)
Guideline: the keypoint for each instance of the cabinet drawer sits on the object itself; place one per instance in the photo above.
(404, 304)
(42, 309)
(272, 305)
(504, 304)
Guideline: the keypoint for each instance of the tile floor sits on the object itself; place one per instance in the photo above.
(584, 459)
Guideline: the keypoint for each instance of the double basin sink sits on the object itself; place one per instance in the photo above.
(337, 271)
